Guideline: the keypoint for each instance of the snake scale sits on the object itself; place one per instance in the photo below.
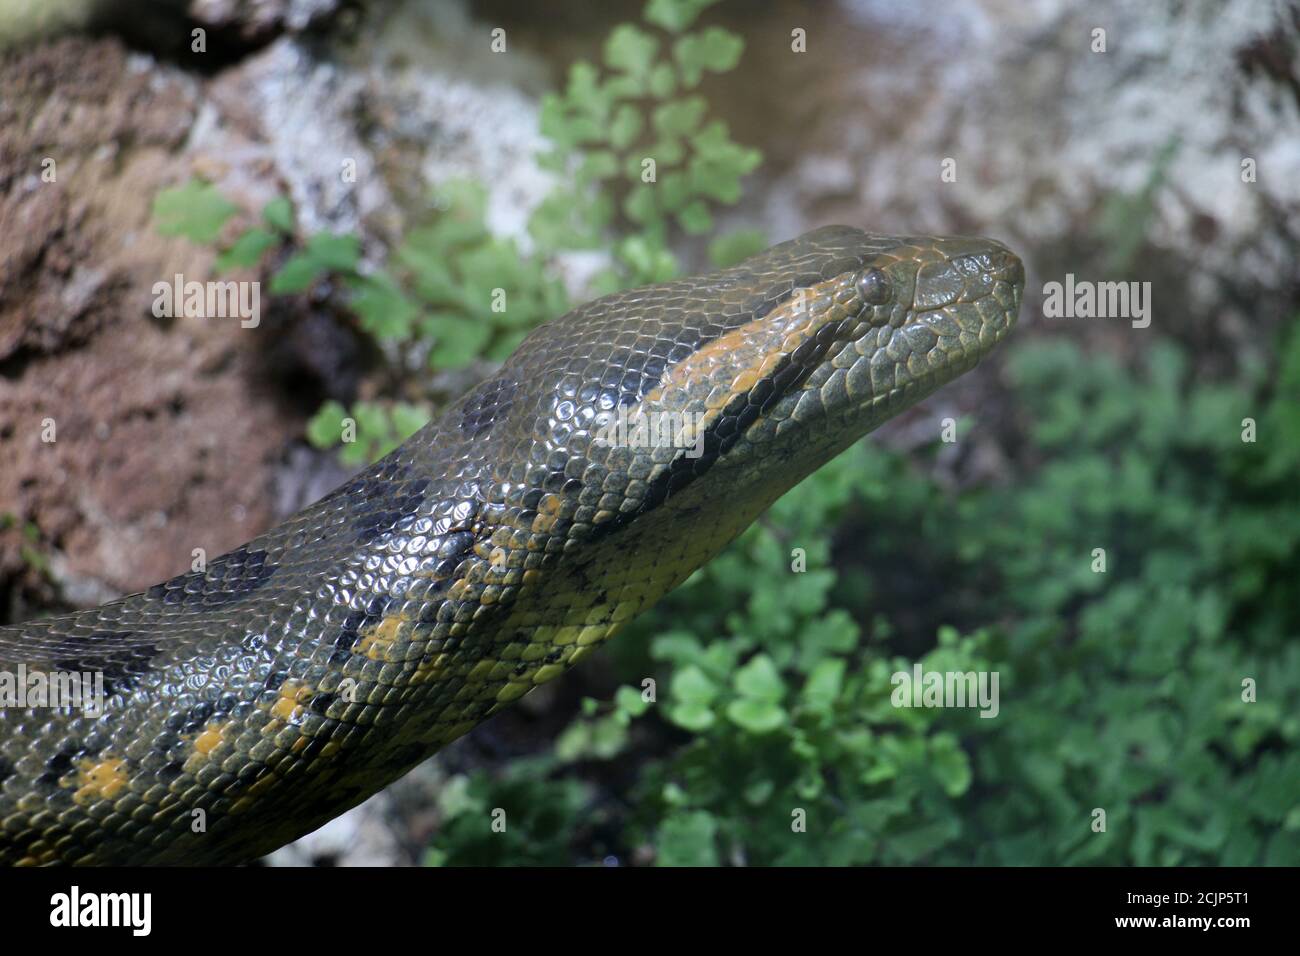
(249, 702)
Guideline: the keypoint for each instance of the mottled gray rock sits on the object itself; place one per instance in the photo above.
(1043, 130)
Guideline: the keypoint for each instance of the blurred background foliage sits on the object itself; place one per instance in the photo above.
(1121, 691)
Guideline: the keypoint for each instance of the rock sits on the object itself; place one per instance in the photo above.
(162, 442)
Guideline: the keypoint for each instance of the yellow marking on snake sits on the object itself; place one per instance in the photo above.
(100, 779)
(376, 642)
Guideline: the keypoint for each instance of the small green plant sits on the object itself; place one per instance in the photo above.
(29, 550)
(638, 150)
(376, 428)
(520, 818)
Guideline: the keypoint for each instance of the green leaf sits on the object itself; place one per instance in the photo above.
(647, 259)
(504, 344)
(663, 81)
(680, 117)
(734, 247)
(677, 647)
(385, 311)
(691, 716)
(689, 684)
(598, 164)
(424, 257)
(695, 219)
(950, 765)
(278, 214)
(719, 163)
(631, 50)
(759, 791)
(714, 49)
(665, 153)
(640, 206)
(583, 91)
(574, 742)
(675, 15)
(824, 683)
(246, 250)
(625, 127)
(756, 716)
(690, 695)
(408, 419)
(759, 679)
(297, 274)
(608, 738)
(629, 701)
(459, 340)
(195, 210)
(687, 839)
(338, 253)
(567, 221)
(325, 428)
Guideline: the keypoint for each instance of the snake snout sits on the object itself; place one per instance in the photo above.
(969, 270)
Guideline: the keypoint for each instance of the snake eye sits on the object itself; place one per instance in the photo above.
(874, 287)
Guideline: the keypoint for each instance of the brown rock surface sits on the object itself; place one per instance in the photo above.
(117, 507)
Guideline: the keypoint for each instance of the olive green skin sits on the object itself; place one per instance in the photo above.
(252, 701)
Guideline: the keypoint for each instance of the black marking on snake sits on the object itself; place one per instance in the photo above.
(120, 656)
(312, 750)
(391, 483)
(401, 501)
(254, 643)
(250, 773)
(578, 572)
(737, 415)
(165, 742)
(455, 544)
(374, 479)
(358, 621)
(487, 404)
(57, 766)
(622, 383)
(191, 720)
(227, 579)
(6, 770)
(170, 752)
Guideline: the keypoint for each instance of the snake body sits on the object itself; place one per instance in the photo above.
(250, 701)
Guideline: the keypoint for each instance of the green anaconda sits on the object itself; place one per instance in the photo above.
(247, 703)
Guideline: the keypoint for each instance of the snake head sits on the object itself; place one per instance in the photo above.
(762, 371)
(767, 368)
(902, 317)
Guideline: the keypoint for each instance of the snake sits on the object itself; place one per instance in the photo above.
(245, 703)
